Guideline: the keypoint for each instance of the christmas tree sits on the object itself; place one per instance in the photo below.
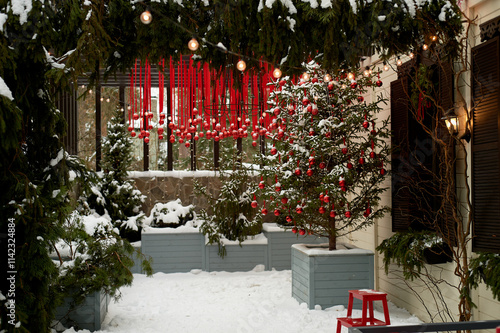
(120, 199)
(326, 164)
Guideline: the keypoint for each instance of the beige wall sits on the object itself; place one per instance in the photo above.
(399, 292)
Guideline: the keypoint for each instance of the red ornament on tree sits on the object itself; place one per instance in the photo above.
(366, 124)
(361, 99)
(299, 210)
(349, 165)
(294, 230)
(289, 219)
(284, 200)
(382, 171)
(273, 151)
(309, 172)
(326, 199)
(379, 83)
(332, 213)
(322, 165)
(254, 204)
(277, 212)
(298, 172)
(264, 211)
(302, 232)
(354, 85)
(261, 185)
(322, 210)
(348, 214)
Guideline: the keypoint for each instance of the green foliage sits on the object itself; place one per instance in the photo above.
(327, 143)
(120, 199)
(230, 214)
(486, 267)
(406, 250)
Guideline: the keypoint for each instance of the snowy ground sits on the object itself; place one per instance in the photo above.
(256, 301)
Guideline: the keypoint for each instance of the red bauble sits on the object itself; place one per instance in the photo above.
(282, 82)
(160, 130)
(298, 172)
(135, 116)
(289, 219)
(367, 212)
(216, 138)
(321, 197)
(349, 165)
(315, 111)
(342, 183)
(311, 160)
(201, 134)
(277, 212)
(274, 151)
(326, 198)
(130, 128)
(284, 200)
(254, 204)
(330, 86)
(366, 124)
(372, 154)
(322, 210)
(305, 101)
(294, 230)
(311, 133)
(217, 127)
(196, 137)
(309, 108)
(264, 211)
(344, 151)
(261, 185)
(187, 144)
(146, 139)
(172, 139)
(254, 143)
(276, 111)
(314, 80)
(132, 134)
(379, 83)
(160, 137)
(188, 136)
(382, 171)
(361, 160)
(278, 188)
(309, 172)
(322, 165)
(348, 214)
(291, 152)
(302, 232)
(354, 85)
(361, 99)
(299, 210)
(255, 135)
(332, 213)
(373, 132)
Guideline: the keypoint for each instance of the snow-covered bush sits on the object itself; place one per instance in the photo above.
(170, 215)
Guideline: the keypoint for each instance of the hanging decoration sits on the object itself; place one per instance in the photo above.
(203, 102)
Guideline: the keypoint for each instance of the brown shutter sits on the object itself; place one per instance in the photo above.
(400, 155)
(485, 148)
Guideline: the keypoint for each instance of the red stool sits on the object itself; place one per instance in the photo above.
(367, 296)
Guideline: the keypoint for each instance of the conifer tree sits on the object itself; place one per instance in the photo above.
(326, 164)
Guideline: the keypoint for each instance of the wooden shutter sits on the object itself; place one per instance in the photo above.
(399, 160)
(485, 146)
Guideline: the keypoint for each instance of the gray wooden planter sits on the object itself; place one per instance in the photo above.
(322, 277)
(137, 268)
(280, 243)
(251, 253)
(173, 252)
(88, 315)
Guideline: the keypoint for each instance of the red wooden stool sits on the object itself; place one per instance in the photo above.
(367, 296)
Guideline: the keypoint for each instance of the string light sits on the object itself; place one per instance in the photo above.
(399, 62)
(327, 78)
(146, 17)
(386, 67)
(425, 47)
(366, 72)
(306, 76)
(350, 76)
(434, 38)
(241, 65)
(277, 73)
(411, 55)
(193, 44)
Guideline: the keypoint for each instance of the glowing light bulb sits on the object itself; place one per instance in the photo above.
(193, 44)
(411, 55)
(277, 73)
(350, 76)
(425, 47)
(434, 38)
(146, 17)
(306, 76)
(399, 62)
(386, 67)
(241, 65)
(327, 78)
(107, 99)
(366, 72)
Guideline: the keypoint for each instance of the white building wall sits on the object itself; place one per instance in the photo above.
(414, 295)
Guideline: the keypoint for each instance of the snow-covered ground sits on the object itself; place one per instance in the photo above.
(256, 301)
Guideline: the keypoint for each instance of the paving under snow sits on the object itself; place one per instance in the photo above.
(256, 301)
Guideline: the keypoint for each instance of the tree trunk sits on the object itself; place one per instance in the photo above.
(332, 239)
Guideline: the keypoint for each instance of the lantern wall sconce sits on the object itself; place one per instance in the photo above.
(452, 122)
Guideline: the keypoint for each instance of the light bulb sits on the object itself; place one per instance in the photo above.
(386, 67)
(107, 99)
(411, 55)
(327, 78)
(102, 99)
(425, 47)
(146, 17)
(306, 76)
(241, 65)
(193, 44)
(366, 72)
(399, 62)
(434, 38)
(90, 91)
(350, 76)
(277, 73)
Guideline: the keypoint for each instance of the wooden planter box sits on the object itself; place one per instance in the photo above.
(251, 253)
(280, 243)
(88, 315)
(322, 277)
(174, 250)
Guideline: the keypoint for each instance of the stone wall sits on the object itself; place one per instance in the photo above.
(165, 186)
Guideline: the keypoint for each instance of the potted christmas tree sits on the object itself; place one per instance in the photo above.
(324, 170)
